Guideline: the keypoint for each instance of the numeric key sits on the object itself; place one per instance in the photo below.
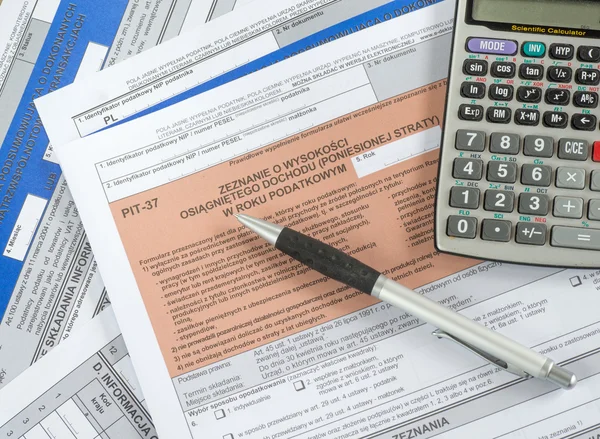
(534, 204)
(467, 140)
(464, 197)
(504, 143)
(468, 169)
(461, 227)
(500, 172)
(538, 146)
(499, 201)
(536, 175)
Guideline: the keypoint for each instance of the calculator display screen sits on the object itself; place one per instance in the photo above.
(574, 14)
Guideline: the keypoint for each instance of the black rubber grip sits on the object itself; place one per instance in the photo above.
(327, 260)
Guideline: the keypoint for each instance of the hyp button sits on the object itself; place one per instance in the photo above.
(492, 46)
(533, 49)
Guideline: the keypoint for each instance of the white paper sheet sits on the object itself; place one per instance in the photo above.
(85, 389)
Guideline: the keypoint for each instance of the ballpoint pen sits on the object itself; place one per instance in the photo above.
(488, 344)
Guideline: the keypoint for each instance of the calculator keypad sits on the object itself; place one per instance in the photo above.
(523, 149)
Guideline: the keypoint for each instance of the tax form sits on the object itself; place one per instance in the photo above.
(23, 29)
(50, 283)
(232, 339)
(223, 50)
(85, 389)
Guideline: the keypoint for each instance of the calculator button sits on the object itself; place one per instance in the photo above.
(588, 54)
(584, 122)
(568, 207)
(464, 197)
(531, 71)
(501, 92)
(585, 99)
(529, 94)
(462, 227)
(533, 49)
(503, 143)
(526, 116)
(495, 230)
(555, 119)
(468, 169)
(531, 233)
(470, 140)
(573, 149)
(559, 74)
(503, 69)
(499, 114)
(470, 112)
(499, 201)
(587, 76)
(596, 153)
(500, 172)
(562, 51)
(594, 210)
(595, 181)
(534, 204)
(538, 146)
(570, 178)
(493, 46)
(574, 237)
(536, 175)
(475, 67)
(555, 96)
(472, 90)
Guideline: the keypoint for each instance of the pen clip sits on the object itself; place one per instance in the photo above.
(482, 354)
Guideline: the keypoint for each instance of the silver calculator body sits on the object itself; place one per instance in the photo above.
(519, 174)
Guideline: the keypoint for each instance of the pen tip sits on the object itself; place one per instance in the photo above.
(237, 215)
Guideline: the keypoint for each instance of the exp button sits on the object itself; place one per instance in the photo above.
(493, 46)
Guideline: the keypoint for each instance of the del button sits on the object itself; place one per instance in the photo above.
(533, 49)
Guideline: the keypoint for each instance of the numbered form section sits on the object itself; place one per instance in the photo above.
(92, 396)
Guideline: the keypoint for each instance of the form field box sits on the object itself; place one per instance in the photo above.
(27, 222)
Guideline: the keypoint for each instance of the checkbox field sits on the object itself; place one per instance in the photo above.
(228, 436)
(299, 385)
(219, 414)
(575, 281)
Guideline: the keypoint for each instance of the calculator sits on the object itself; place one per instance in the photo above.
(519, 171)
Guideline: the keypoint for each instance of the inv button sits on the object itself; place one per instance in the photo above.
(488, 45)
(574, 237)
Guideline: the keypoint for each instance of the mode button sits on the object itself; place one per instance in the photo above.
(492, 46)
